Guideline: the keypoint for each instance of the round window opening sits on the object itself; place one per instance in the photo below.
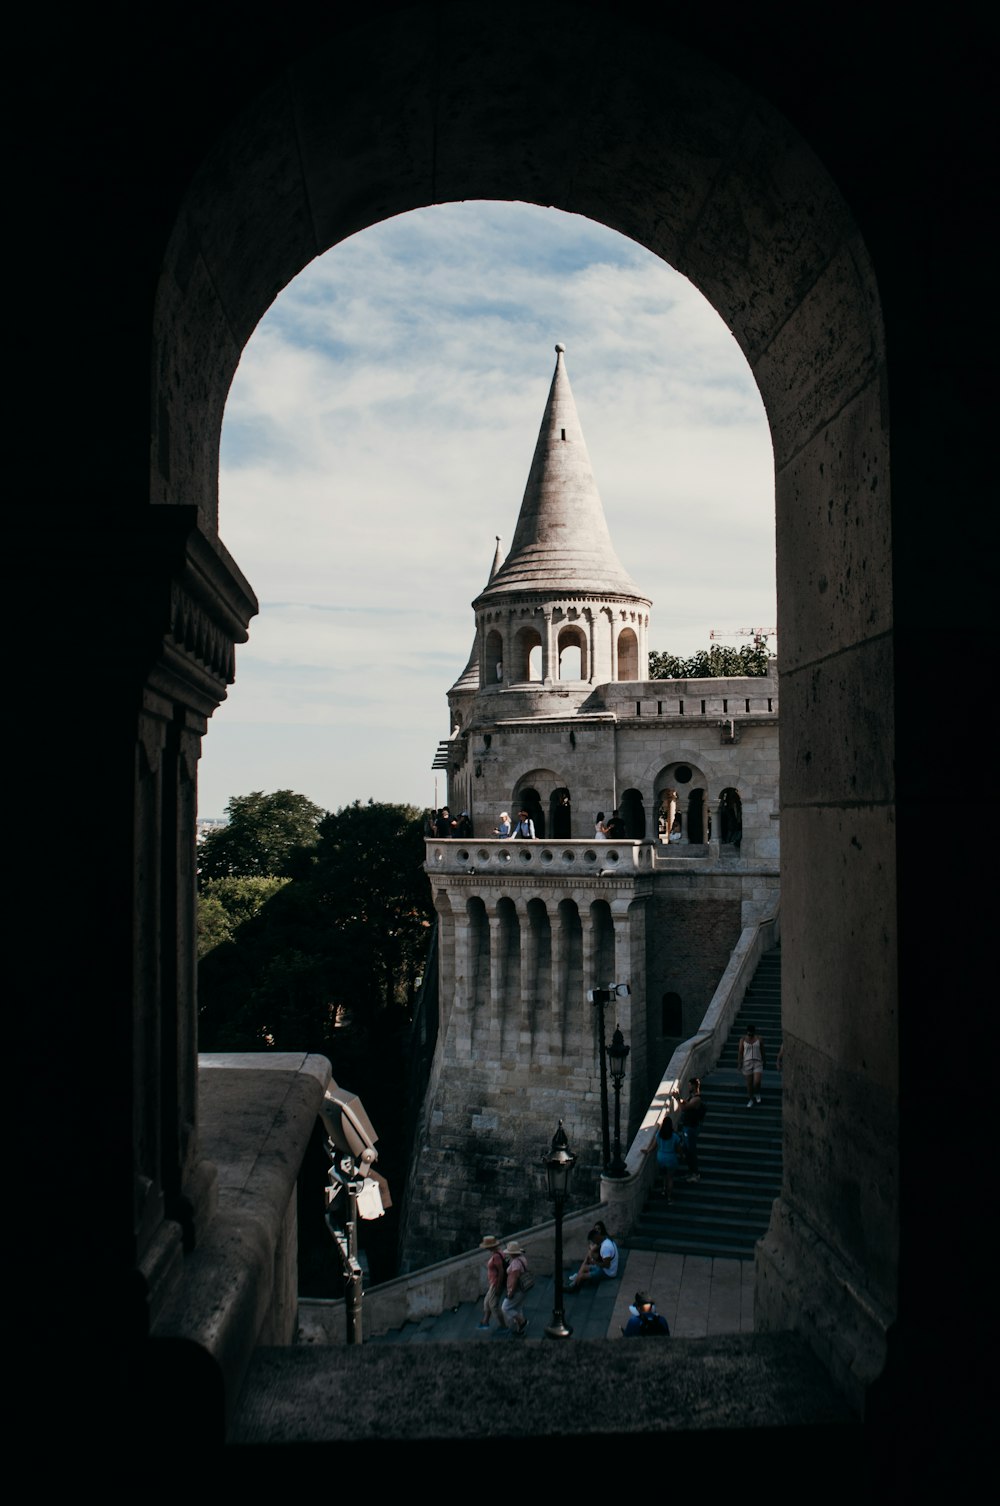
(683, 774)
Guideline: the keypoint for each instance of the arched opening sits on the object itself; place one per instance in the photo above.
(527, 655)
(528, 799)
(560, 813)
(493, 658)
(671, 1015)
(764, 233)
(633, 815)
(698, 816)
(628, 655)
(572, 650)
(730, 817)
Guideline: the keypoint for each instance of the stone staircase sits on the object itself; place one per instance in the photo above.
(739, 1149)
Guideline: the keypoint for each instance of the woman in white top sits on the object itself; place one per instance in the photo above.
(750, 1062)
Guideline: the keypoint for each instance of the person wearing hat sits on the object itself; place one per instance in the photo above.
(517, 1277)
(645, 1322)
(496, 1281)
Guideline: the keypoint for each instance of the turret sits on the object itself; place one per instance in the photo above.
(561, 609)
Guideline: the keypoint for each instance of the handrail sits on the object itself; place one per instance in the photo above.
(694, 1057)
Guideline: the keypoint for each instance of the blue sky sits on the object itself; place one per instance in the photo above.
(378, 436)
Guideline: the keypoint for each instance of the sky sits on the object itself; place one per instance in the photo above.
(378, 436)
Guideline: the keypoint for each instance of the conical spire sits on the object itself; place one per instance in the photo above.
(561, 543)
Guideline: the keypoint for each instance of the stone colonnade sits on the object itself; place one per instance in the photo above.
(518, 1048)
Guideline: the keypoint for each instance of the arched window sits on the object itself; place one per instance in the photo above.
(628, 655)
(572, 649)
(560, 813)
(731, 817)
(493, 668)
(671, 1015)
(529, 799)
(634, 816)
(528, 655)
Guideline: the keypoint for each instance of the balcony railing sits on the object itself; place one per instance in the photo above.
(513, 855)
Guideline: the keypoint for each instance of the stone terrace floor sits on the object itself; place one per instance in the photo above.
(699, 1296)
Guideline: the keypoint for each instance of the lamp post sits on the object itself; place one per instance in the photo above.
(599, 997)
(617, 1056)
(558, 1164)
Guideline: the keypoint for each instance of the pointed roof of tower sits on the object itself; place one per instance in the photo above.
(561, 543)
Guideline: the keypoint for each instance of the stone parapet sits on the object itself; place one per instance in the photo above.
(506, 857)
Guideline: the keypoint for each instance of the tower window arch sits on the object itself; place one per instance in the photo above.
(493, 658)
(528, 655)
(628, 655)
(572, 654)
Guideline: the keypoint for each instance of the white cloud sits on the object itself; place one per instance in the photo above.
(379, 433)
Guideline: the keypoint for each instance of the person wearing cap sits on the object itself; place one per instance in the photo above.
(517, 1270)
(503, 827)
(496, 1281)
(645, 1322)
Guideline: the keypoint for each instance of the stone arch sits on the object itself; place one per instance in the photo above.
(684, 776)
(627, 655)
(527, 665)
(493, 657)
(535, 791)
(730, 816)
(633, 814)
(721, 186)
(571, 653)
(560, 813)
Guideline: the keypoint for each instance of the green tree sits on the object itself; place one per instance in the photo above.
(225, 903)
(712, 663)
(265, 835)
(345, 940)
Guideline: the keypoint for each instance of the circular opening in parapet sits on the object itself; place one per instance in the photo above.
(569, 857)
(546, 856)
(463, 856)
(524, 855)
(683, 773)
(612, 856)
(438, 855)
(483, 855)
(590, 856)
(503, 857)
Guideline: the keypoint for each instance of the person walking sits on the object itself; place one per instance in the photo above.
(496, 1282)
(692, 1114)
(750, 1062)
(668, 1145)
(517, 1276)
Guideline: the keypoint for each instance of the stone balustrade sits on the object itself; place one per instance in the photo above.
(512, 855)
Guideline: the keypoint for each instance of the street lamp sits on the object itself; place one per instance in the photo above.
(617, 1055)
(599, 997)
(558, 1164)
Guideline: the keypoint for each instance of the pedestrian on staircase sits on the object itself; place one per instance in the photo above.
(692, 1114)
(668, 1146)
(750, 1062)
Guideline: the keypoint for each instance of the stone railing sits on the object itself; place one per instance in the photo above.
(694, 1057)
(511, 855)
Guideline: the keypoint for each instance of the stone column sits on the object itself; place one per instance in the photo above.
(460, 1033)
(550, 664)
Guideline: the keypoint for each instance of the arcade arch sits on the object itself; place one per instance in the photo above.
(757, 223)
